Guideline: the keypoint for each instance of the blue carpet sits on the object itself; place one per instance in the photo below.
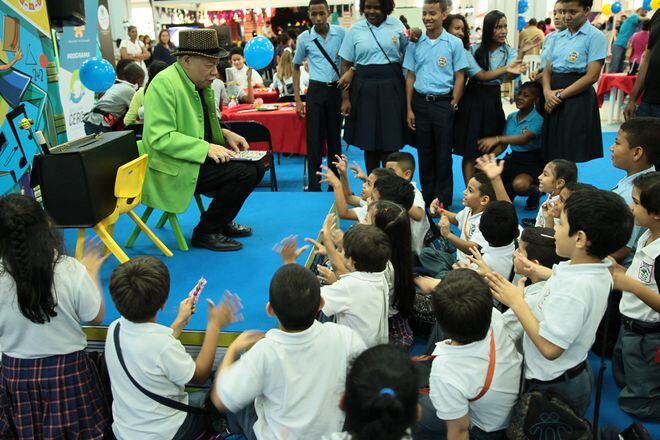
(276, 215)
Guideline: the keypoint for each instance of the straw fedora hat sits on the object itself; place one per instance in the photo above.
(200, 42)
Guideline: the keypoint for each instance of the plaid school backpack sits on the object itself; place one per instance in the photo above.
(541, 416)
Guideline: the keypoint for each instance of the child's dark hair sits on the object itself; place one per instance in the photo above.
(154, 69)
(387, 6)
(139, 288)
(537, 89)
(648, 185)
(604, 218)
(499, 223)
(463, 306)
(540, 245)
(134, 74)
(368, 246)
(646, 25)
(578, 186)
(393, 220)
(640, 132)
(380, 172)
(444, 4)
(406, 161)
(318, 2)
(235, 51)
(485, 186)
(121, 65)
(29, 250)
(396, 189)
(295, 296)
(482, 54)
(582, 3)
(564, 169)
(381, 394)
(446, 24)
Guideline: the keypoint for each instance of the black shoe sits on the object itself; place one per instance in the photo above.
(215, 242)
(233, 229)
(532, 203)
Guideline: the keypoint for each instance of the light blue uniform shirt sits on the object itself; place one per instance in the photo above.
(571, 53)
(624, 189)
(435, 63)
(547, 45)
(473, 68)
(628, 28)
(533, 123)
(360, 47)
(500, 57)
(319, 67)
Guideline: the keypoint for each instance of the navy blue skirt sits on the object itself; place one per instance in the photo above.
(479, 115)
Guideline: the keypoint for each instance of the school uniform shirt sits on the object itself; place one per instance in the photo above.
(115, 101)
(459, 372)
(499, 258)
(624, 188)
(547, 44)
(435, 62)
(511, 322)
(540, 219)
(158, 362)
(572, 53)
(283, 87)
(78, 299)
(469, 226)
(295, 381)
(500, 57)
(642, 269)
(360, 300)
(319, 67)
(531, 123)
(240, 76)
(361, 213)
(570, 308)
(360, 47)
(472, 66)
(418, 228)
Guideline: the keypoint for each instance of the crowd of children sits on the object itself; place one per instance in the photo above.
(514, 310)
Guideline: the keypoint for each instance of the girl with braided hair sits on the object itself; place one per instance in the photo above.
(48, 386)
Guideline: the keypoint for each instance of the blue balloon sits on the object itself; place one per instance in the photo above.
(647, 5)
(259, 52)
(522, 6)
(521, 22)
(97, 74)
(616, 7)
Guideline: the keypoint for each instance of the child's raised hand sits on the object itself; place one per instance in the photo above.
(445, 228)
(530, 44)
(478, 259)
(228, 311)
(516, 67)
(186, 309)
(489, 165)
(93, 257)
(246, 340)
(326, 275)
(329, 224)
(289, 250)
(341, 164)
(329, 177)
(436, 207)
(357, 171)
(338, 237)
(486, 145)
(318, 247)
(426, 284)
(505, 292)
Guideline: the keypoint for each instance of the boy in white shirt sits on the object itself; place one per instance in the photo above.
(153, 355)
(475, 375)
(593, 224)
(403, 164)
(634, 361)
(238, 72)
(289, 384)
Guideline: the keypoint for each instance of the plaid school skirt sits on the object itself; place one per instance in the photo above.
(57, 397)
(400, 332)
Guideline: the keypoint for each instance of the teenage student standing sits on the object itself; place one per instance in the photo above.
(571, 129)
(372, 53)
(434, 87)
(320, 45)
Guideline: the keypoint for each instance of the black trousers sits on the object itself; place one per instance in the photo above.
(229, 184)
(434, 123)
(323, 123)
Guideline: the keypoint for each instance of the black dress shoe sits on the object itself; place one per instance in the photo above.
(233, 229)
(215, 242)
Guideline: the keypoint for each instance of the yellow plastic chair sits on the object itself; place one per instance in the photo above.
(128, 191)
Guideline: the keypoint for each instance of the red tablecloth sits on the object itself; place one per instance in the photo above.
(269, 96)
(621, 81)
(287, 129)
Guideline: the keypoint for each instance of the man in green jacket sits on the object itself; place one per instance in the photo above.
(189, 153)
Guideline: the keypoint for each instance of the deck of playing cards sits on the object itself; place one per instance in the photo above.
(197, 290)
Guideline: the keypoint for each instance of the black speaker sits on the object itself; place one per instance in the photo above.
(67, 13)
(77, 179)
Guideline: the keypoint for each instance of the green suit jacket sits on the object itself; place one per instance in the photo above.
(173, 137)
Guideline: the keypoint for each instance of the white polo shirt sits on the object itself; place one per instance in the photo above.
(469, 226)
(511, 322)
(459, 373)
(360, 300)
(361, 213)
(540, 219)
(499, 258)
(240, 76)
(418, 228)
(159, 363)
(569, 310)
(642, 269)
(295, 381)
